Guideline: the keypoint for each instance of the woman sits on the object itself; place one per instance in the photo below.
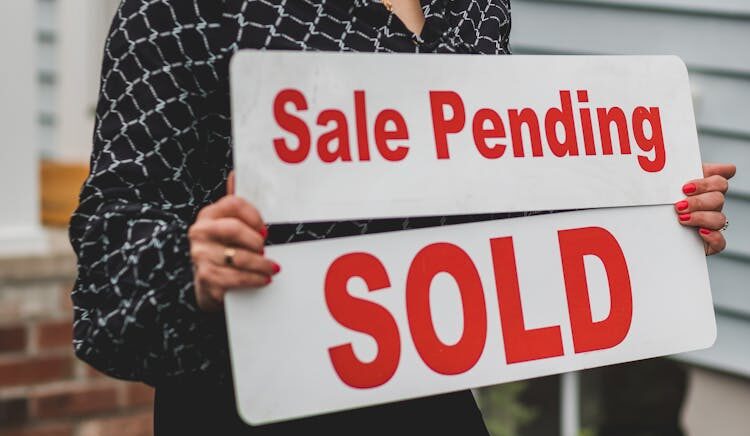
(154, 219)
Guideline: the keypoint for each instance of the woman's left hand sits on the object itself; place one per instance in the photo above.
(704, 203)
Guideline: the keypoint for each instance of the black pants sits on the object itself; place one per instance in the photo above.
(193, 407)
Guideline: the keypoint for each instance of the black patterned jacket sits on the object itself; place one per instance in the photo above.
(162, 151)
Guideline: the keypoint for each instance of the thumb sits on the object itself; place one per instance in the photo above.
(724, 170)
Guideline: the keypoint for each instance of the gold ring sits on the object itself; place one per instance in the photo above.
(229, 256)
(388, 5)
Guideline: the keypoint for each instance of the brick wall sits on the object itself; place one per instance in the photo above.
(44, 389)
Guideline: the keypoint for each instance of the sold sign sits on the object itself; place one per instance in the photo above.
(365, 320)
(521, 344)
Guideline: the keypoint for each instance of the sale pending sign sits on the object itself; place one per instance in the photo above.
(358, 321)
(331, 136)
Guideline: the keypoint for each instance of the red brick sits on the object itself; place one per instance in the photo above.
(74, 400)
(140, 424)
(138, 394)
(13, 338)
(25, 370)
(13, 411)
(40, 430)
(54, 334)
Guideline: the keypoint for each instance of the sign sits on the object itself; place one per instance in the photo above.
(378, 318)
(416, 135)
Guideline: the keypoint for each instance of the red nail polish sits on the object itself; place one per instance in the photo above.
(264, 232)
(689, 188)
(682, 205)
(684, 217)
(268, 280)
(705, 231)
(276, 267)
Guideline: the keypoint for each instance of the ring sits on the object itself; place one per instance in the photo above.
(229, 256)
(725, 226)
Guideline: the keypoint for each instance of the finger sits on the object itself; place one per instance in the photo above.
(230, 183)
(713, 240)
(243, 260)
(208, 303)
(228, 232)
(708, 184)
(225, 278)
(233, 206)
(709, 201)
(203, 296)
(724, 170)
(706, 220)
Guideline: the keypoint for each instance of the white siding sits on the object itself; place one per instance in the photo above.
(47, 41)
(713, 38)
(707, 42)
(70, 42)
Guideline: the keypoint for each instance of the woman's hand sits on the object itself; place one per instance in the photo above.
(226, 246)
(703, 205)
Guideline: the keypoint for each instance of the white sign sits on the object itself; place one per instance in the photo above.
(410, 135)
(365, 320)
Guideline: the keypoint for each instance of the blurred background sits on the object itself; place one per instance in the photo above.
(51, 54)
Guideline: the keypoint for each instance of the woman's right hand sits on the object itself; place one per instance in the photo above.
(226, 247)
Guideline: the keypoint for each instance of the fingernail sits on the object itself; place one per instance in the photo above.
(264, 232)
(682, 205)
(684, 217)
(268, 279)
(689, 188)
(276, 267)
(705, 231)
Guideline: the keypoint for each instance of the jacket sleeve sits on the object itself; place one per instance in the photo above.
(466, 26)
(134, 306)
